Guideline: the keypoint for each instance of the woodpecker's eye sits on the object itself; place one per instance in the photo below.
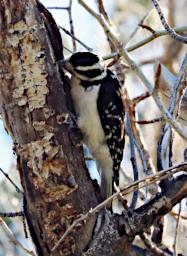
(83, 59)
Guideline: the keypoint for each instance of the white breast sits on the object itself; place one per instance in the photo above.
(85, 103)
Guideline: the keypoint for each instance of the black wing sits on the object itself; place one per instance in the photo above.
(111, 112)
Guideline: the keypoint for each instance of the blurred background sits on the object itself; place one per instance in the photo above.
(125, 16)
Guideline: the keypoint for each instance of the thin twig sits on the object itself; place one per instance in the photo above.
(129, 130)
(104, 14)
(75, 38)
(147, 28)
(157, 77)
(157, 33)
(128, 189)
(24, 226)
(152, 121)
(162, 148)
(141, 97)
(176, 230)
(57, 8)
(179, 128)
(178, 88)
(13, 238)
(168, 29)
(103, 11)
(139, 25)
(71, 26)
(146, 62)
(11, 214)
(170, 153)
(147, 165)
(143, 156)
(151, 246)
(142, 151)
(175, 214)
(67, 49)
(166, 138)
(133, 159)
(185, 154)
(11, 181)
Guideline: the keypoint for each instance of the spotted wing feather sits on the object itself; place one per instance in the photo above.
(111, 112)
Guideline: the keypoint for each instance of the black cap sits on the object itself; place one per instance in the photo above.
(83, 59)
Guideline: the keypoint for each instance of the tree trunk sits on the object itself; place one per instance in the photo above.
(35, 107)
(34, 110)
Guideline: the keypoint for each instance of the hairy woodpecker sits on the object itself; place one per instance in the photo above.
(98, 105)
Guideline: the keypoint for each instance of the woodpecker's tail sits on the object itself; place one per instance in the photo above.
(106, 185)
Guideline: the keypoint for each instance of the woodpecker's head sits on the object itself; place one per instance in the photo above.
(86, 66)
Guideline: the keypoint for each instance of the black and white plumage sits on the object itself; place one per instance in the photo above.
(98, 105)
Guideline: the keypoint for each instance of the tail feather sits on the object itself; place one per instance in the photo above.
(106, 186)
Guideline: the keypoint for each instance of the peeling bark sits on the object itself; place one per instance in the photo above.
(33, 107)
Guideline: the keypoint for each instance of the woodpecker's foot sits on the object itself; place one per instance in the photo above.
(75, 131)
(73, 120)
(73, 117)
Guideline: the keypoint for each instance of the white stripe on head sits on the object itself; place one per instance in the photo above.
(98, 65)
(85, 78)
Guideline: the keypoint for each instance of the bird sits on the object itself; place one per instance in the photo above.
(95, 92)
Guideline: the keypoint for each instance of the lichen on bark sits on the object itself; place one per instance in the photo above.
(33, 108)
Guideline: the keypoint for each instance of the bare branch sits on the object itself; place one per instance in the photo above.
(13, 238)
(152, 121)
(147, 28)
(139, 25)
(169, 30)
(151, 246)
(165, 143)
(178, 88)
(57, 8)
(11, 181)
(157, 33)
(143, 217)
(179, 128)
(141, 97)
(75, 38)
(67, 49)
(176, 229)
(157, 77)
(133, 158)
(24, 226)
(128, 189)
(102, 10)
(129, 130)
(175, 214)
(71, 26)
(11, 214)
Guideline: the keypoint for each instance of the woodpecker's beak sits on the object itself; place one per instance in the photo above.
(65, 64)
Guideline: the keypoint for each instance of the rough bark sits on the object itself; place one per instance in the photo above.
(57, 187)
(33, 107)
